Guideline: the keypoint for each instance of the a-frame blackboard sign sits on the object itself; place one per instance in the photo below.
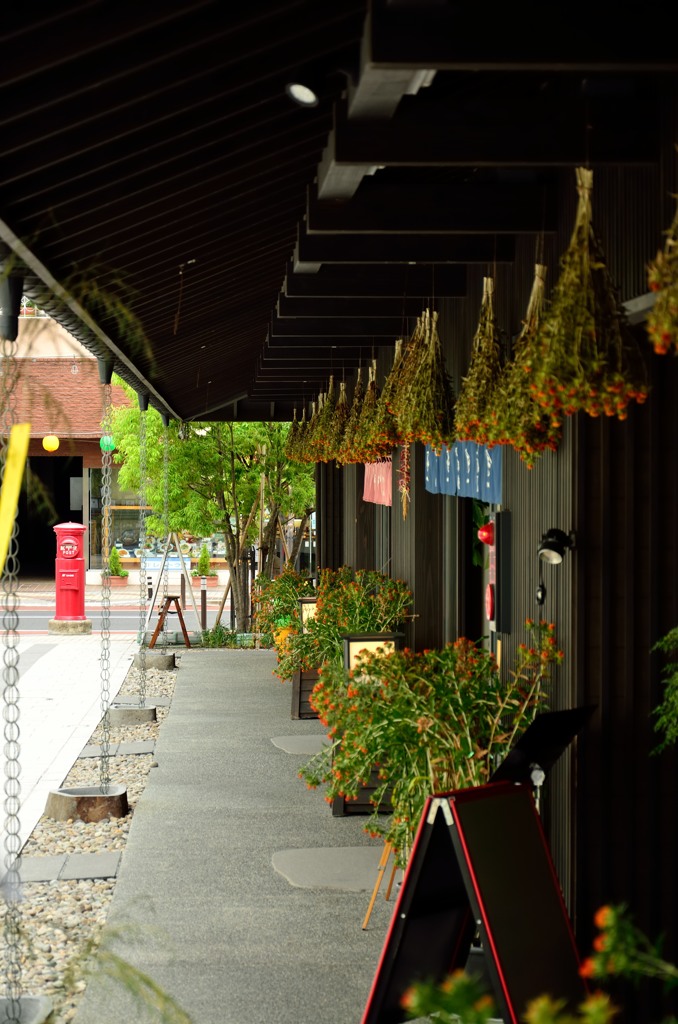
(479, 861)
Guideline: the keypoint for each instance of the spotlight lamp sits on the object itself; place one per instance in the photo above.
(554, 544)
(302, 94)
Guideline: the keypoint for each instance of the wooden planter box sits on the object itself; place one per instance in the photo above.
(302, 685)
(362, 804)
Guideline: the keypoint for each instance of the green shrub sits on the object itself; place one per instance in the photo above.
(115, 565)
(219, 636)
(204, 568)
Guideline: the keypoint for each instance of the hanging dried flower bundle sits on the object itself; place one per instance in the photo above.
(386, 435)
(399, 380)
(364, 442)
(311, 432)
(306, 437)
(424, 400)
(585, 357)
(474, 401)
(346, 453)
(292, 442)
(515, 417)
(337, 427)
(296, 447)
(662, 276)
(323, 424)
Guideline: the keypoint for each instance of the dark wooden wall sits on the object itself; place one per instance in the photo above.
(610, 806)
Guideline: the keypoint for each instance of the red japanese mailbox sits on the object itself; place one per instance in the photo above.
(70, 572)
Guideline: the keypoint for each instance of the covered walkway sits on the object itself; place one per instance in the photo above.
(246, 895)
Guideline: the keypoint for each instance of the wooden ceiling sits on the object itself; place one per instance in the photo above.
(152, 161)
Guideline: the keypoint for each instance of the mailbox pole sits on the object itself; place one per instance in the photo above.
(70, 581)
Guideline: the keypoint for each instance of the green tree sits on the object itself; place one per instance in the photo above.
(219, 476)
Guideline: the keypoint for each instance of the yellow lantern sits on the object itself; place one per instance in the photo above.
(50, 443)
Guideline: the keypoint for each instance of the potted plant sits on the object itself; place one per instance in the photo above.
(204, 568)
(430, 721)
(117, 576)
(276, 602)
(348, 601)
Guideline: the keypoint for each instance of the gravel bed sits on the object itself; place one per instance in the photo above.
(60, 918)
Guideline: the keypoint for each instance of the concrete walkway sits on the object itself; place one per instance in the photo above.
(246, 894)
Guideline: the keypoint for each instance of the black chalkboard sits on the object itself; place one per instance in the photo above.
(479, 860)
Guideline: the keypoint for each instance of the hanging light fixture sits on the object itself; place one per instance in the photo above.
(50, 443)
(554, 544)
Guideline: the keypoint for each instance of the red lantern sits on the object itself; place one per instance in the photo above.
(486, 533)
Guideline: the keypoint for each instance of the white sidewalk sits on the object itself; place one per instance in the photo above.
(59, 709)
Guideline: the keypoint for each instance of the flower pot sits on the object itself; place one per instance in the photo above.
(117, 581)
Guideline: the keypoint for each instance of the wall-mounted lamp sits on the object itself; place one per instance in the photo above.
(307, 607)
(355, 643)
(553, 546)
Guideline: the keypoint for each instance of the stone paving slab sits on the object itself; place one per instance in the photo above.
(301, 744)
(115, 749)
(347, 868)
(70, 867)
(91, 865)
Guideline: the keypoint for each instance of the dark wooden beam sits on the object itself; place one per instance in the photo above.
(351, 307)
(484, 208)
(381, 281)
(316, 249)
(503, 131)
(459, 37)
(337, 327)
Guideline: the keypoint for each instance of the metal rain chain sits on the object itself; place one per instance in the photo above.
(165, 517)
(11, 883)
(143, 407)
(107, 445)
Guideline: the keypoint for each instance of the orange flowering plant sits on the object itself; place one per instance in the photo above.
(429, 722)
(461, 999)
(276, 601)
(348, 601)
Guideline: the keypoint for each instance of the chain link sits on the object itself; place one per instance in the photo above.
(11, 733)
(164, 639)
(106, 460)
(143, 432)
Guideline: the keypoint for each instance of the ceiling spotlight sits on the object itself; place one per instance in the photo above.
(303, 95)
(553, 546)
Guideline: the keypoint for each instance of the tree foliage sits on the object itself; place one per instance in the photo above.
(218, 477)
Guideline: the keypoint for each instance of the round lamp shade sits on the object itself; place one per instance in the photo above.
(107, 444)
(553, 546)
(50, 443)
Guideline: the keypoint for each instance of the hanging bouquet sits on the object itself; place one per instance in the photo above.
(337, 426)
(423, 398)
(662, 320)
(385, 432)
(474, 400)
(346, 452)
(585, 357)
(321, 435)
(364, 447)
(515, 417)
(292, 442)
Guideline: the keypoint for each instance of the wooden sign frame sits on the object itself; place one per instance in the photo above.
(480, 865)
